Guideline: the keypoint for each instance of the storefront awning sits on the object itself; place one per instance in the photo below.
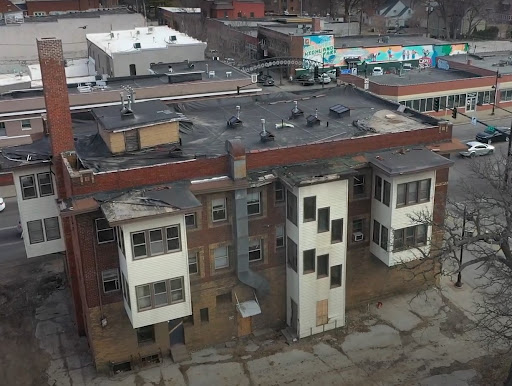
(352, 60)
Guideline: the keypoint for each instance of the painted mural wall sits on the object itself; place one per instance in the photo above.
(323, 45)
(320, 48)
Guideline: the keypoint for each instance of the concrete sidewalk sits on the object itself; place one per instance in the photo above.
(412, 340)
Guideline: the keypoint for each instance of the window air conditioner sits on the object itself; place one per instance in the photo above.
(254, 78)
(358, 236)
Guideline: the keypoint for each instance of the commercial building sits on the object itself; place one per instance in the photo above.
(132, 52)
(19, 47)
(465, 81)
(22, 109)
(191, 224)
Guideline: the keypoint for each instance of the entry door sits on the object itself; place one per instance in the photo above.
(244, 325)
(471, 102)
(176, 332)
(293, 316)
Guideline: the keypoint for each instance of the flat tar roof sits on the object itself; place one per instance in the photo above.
(143, 114)
(407, 160)
(501, 61)
(211, 71)
(417, 76)
(394, 39)
(204, 129)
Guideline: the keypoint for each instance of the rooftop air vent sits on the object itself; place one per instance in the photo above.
(312, 120)
(172, 39)
(150, 30)
(265, 136)
(136, 46)
(235, 121)
(296, 112)
(339, 111)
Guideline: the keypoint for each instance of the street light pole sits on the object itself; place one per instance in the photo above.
(509, 158)
(323, 70)
(459, 276)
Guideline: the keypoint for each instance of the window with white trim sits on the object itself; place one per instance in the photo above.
(28, 187)
(51, 228)
(35, 231)
(413, 192)
(173, 238)
(221, 257)
(152, 242)
(3, 131)
(110, 279)
(193, 262)
(45, 184)
(159, 294)
(278, 191)
(279, 236)
(255, 249)
(156, 242)
(219, 212)
(253, 203)
(104, 232)
(410, 237)
(26, 124)
(190, 220)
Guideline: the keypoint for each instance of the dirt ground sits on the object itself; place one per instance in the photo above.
(23, 287)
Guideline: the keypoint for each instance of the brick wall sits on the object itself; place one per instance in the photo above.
(107, 257)
(257, 159)
(117, 342)
(6, 179)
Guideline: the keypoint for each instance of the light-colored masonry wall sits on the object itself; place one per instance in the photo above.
(21, 39)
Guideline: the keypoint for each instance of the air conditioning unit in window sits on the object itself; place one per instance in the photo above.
(358, 236)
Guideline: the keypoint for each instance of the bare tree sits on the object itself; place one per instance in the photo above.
(479, 223)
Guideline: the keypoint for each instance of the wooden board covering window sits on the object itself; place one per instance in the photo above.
(321, 312)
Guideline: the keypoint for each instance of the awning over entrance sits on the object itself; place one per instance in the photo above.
(248, 308)
(352, 60)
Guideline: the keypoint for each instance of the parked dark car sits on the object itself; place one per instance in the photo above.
(267, 80)
(305, 80)
(498, 134)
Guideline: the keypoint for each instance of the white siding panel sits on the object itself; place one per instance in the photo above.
(311, 289)
(157, 268)
(38, 209)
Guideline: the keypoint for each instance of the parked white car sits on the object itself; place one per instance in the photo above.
(323, 78)
(2, 204)
(477, 148)
(331, 73)
(377, 71)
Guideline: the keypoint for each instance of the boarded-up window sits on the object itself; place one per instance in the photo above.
(321, 312)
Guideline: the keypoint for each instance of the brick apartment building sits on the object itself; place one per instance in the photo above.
(190, 224)
(53, 7)
(233, 9)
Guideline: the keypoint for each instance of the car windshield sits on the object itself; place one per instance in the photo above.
(469, 145)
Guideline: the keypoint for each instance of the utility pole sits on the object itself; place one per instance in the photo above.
(495, 91)
(459, 276)
(508, 162)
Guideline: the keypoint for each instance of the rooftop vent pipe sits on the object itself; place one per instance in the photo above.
(237, 112)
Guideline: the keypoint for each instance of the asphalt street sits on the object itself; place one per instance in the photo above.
(11, 246)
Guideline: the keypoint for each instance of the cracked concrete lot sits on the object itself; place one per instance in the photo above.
(411, 340)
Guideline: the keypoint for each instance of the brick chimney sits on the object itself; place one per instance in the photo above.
(316, 25)
(56, 99)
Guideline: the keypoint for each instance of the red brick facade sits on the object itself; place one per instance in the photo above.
(86, 258)
(236, 10)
